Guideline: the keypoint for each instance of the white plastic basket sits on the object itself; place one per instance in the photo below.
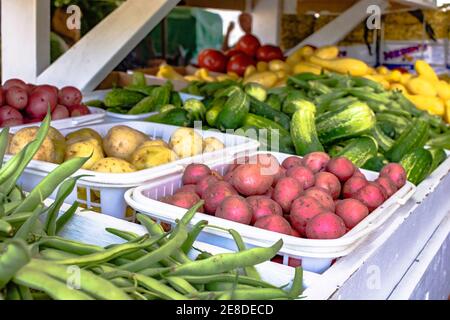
(116, 117)
(89, 228)
(315, 255)
(104, 192)
(97, 115)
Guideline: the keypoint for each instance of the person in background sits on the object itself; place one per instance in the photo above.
(245, 22)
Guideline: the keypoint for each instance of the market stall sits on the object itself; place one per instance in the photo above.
(285, 167)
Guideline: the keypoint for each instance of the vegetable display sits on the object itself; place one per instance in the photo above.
(122, 150)
(34, 260)
(22, 103)
(315, 197)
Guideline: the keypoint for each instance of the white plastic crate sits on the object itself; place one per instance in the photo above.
(116, 117)
(104, 192)
(315, 255)
(97, 115)
(89, 228)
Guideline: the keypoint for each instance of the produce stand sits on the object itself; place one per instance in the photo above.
(407, 257)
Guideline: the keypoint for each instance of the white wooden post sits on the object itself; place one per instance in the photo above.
(337, 29)
(91, 59)
(25, 38)
(266, 20)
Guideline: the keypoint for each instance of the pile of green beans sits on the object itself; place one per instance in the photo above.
(37, 264)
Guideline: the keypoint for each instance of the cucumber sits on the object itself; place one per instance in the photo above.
(293, 101)
(271, 141)
(414, 136)
(375, 163)
(234, 111)
(262, 109)
(417, 164)
(175, 99)
(438, 155)
(274, 101)
(122, 97)
(158, 98)
(360, 150)
(399, 123)
(340, 103)
(259, 122)
(303, 132)
(354, 120)
(387, 128)
(384, 142)
(174, 116)
(213, 112)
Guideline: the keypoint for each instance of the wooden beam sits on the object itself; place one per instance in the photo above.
(218, 4)
(91, 59)
(25, 26)
(267, 20)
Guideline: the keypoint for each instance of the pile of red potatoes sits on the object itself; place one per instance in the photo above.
(314, 197)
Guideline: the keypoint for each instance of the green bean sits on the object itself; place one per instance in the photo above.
(181, 285)
(109, 254)
(297, 284)
(228, 261)
(6, 228)
(12, 292)
(121, 282)
(25, 293)
(14, 255)
(40, 296)
(15, 195)
(246, 294)
(4, 137)
(223, 286)
(28, 225)
(89, 283)
(69, 246)
(175, 241)
(137, 296)
(126, 235)
(193, 235)
(66, 216)
(250, 270)
(11, 206)
(52, 254)
(54, 288)
(227, 278)
(17, 218)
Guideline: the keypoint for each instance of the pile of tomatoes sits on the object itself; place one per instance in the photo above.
(248, 51)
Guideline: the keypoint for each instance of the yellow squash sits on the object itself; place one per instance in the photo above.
(421, 86)
(303, 67)
(425, 71)
(443, 90)
(433, 105)
(327, 52)
(350, 66)
(447, 111)
(266, 78)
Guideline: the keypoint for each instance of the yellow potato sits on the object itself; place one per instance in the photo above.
(212, 144)
(60, 145)
(113, 165)
(148, 157)
(26, 135)
(185, 142)
(85, 148)
(83, 134)
(122, 141)
(152, 143)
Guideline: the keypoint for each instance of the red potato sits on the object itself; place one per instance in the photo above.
(60, 112)
(33, 120)
(11, 123)
(9, 113)
(352, 211)
(216, 174)
(235, 208)
(17, 97)
(262, 206)
(269, 193)
(281, 173)
(228, 177)
(396, 173)
(38, 104)
(352, 185)
(292, 262)
(30, 87)
(268, 163)
(359, 174)
(51, 92)
(325, 225)
(303, 209)
(341, 167)
(79, 110)
(383, 191)
(248, 180)
(287, 190)
(14, 83)
(321, 195)
(274, 223)
(387, 185)
(316, 161)
(184, 200)
(328, 181)
(1, 97)
(187, 188)
(371, 195)
(303, 175)
(292, 161)
(295, 233)
(69, 96)
(204, 183)
(215, 194)
(195, 172)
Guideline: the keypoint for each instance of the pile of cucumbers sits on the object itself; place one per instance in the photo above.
(340, 114)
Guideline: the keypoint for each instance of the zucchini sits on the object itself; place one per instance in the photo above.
(360, 150)
(417, 164)
(262, 109)
(259, 122)
(303, 132)
(375, 163)
(438, 155)
(351, 121)
(384, 142)
(415, 136)
(234, 110)
(274, 101)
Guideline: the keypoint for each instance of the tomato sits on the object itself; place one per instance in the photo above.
(239, 62)
(268, 53)
(213, 60)
(232, 52)
(248, 44)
